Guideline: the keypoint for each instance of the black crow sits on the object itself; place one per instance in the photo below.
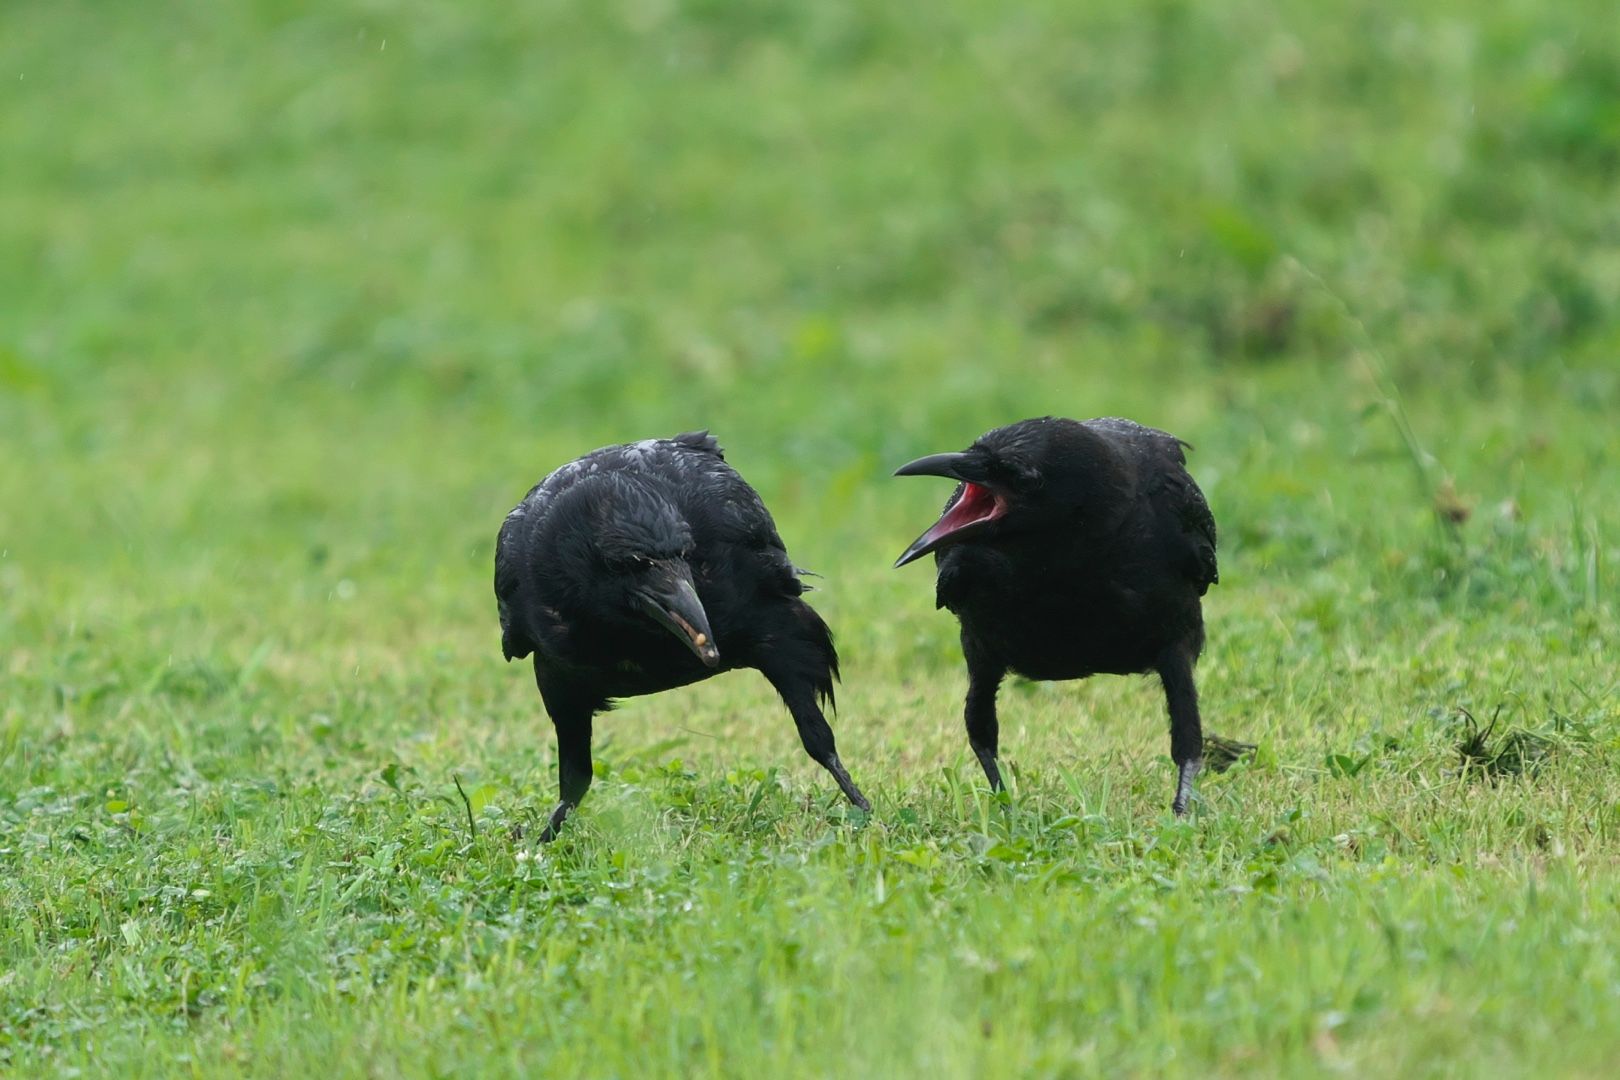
(647, 566)
(1072, 548)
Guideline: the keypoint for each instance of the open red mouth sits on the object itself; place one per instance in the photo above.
(976, 505)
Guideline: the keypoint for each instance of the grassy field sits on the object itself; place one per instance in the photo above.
(297, 299)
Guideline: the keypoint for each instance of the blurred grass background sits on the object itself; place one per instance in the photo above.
(297, 294)
(296, 299)
(434, 250)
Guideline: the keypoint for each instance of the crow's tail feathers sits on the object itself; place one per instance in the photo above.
(805, 655)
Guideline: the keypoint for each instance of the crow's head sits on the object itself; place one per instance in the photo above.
(626, 561)
(1018, 477)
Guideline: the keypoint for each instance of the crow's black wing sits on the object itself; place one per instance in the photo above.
(515, 644)
(1160, 461)
(723, 508)
(1197, 529)
(711, 493)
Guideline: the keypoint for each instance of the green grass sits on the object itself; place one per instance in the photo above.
(299, 298)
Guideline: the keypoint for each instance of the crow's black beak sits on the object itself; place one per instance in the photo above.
(672, 601)
(975, 503)
(950, 465)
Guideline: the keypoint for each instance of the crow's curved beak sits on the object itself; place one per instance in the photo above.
(949, 465)
(975, 502)
(672, 602)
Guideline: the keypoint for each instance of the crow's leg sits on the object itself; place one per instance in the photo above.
(816, 735)
(572, 719)
(1186, 729)
(573, 769)
(984, 730)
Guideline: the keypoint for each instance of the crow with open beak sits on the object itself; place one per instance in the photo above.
(1073, 548)
(647, 566)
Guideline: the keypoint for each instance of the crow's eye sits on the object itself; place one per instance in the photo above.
(1012, 472)
(621, 562)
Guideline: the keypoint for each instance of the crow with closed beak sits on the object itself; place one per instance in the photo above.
(1073, 548)
(647, 566)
